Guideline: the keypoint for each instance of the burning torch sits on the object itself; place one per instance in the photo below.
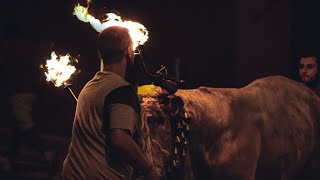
(137, 31)
(59, 69)
(139, 35)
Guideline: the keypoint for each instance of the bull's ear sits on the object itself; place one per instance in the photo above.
(175, 105)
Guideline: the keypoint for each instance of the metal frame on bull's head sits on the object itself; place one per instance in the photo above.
(179, 119)
(169, 85)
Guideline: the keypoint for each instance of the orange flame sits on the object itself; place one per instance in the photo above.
(59, 69)
(138, 32)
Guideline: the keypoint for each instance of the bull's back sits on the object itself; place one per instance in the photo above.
(286, 114)
(275, 115)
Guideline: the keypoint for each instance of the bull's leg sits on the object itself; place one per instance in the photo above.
(239, 154)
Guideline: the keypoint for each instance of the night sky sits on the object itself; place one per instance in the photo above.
(219, 43)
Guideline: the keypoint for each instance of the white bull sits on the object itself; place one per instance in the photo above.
(266, 130)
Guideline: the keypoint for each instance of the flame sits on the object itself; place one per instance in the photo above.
(59, 69)
(137, 31)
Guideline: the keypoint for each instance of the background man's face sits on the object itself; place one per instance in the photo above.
(308, 69)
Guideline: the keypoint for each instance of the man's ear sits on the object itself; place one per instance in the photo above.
(130, 53)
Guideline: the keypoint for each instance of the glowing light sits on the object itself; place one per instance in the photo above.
(59, 69)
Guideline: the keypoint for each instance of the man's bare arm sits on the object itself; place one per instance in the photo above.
(122, 143)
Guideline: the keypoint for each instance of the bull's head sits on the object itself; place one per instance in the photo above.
(159, 109)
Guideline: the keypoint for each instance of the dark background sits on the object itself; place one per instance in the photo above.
(219, 43)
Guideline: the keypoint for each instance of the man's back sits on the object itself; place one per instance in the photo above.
(88, 156)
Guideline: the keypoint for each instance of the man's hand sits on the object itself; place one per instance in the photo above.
(153, 174)
(126, 148)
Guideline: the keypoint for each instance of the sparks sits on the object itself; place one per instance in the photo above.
(137, 31)
(59, 69)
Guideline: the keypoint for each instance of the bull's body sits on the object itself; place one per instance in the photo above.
(266, 130)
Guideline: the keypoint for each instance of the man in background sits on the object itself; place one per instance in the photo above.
(309, 72)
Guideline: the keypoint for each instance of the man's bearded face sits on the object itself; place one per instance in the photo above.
(308, 69)
(132, 68)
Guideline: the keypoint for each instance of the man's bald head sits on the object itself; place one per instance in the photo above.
(113, 44)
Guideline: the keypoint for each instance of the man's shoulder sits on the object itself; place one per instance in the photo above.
(101, 85)
(112, 79)
(106, 80)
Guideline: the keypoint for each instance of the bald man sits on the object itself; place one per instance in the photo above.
(102, 144)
